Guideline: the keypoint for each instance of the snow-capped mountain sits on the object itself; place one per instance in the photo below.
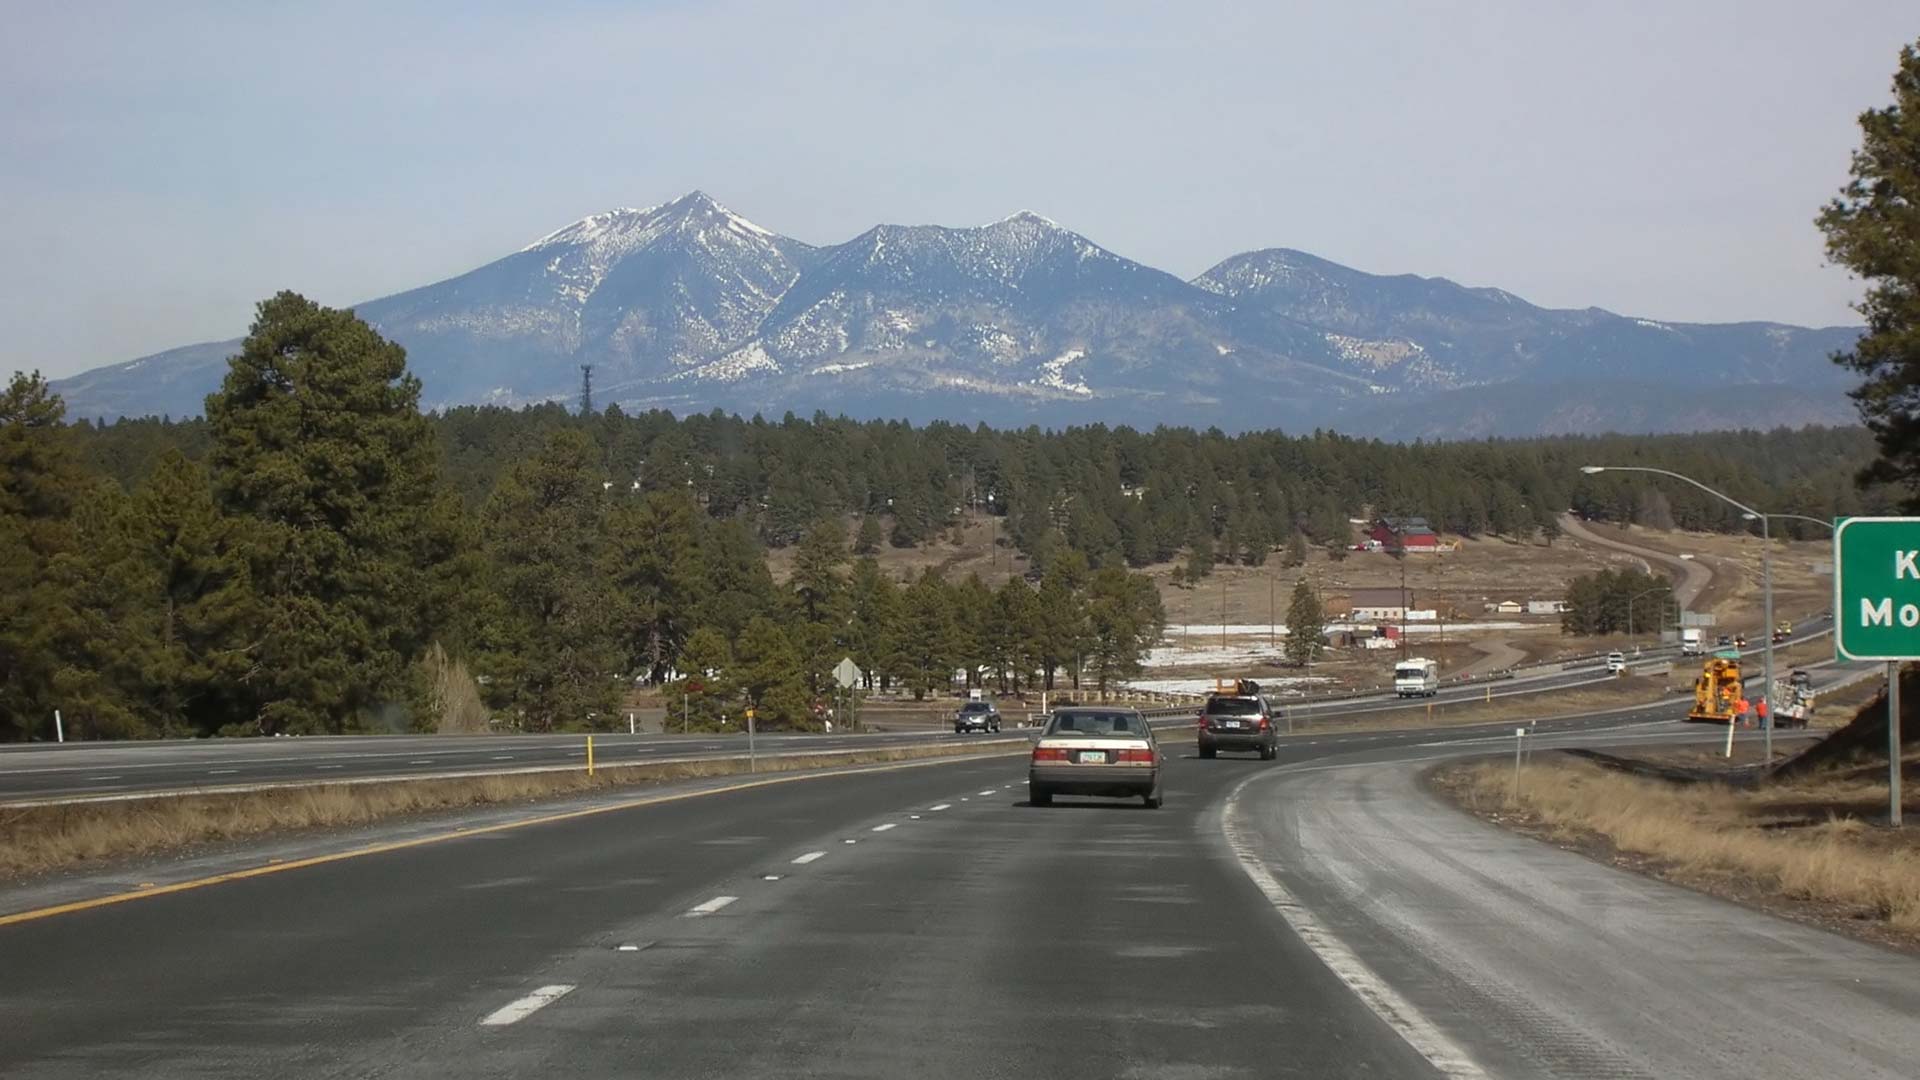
(690, 306)
(1430, 333)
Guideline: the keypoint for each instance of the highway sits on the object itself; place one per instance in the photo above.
(43, 771)
(1273, 919)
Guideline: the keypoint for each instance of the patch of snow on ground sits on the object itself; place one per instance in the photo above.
(1260, 629)
(1293, 684)
(1654, 325)
(835, 369)
(1054, 373)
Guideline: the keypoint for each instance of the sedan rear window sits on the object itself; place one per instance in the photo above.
(976, 706)
(1097, 723)
(1233, 706)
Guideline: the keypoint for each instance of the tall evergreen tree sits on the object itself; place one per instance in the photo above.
(653, 563)
(768, 670)
(1306, 625)
(319, 442)
(1873, 229)
(555, 664)
(870, 536)
(40, 482)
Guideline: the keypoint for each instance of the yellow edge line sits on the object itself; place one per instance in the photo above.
(421, 841)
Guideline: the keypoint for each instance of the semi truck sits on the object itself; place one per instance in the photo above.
(1692, 643)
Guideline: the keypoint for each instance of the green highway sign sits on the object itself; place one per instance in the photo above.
(1876, 588)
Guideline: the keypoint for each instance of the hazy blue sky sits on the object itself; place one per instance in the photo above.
(168, 164)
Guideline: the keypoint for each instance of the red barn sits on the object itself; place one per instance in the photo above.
(1404, 534)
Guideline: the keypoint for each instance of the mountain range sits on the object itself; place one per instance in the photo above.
(689, 306)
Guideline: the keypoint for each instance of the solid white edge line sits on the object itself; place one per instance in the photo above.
(1395, 1011)
(515, 1011)
(710, 906)
(888, 825)
(809, 857)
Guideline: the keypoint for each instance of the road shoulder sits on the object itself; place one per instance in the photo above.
(1541, 962)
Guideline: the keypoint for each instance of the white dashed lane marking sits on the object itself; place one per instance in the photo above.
(710, 906)
(221, 772)
(515, 1011)
(989, 791)
(888, 825)
(942, 806)
(809, 857)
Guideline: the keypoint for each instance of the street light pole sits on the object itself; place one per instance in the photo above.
(1766, 570)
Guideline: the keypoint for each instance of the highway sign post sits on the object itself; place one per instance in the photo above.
(1876, 611)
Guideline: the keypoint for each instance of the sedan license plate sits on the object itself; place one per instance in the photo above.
(1235, 724)
(1093, 757)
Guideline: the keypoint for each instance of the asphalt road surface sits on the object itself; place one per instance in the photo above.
(925, 922)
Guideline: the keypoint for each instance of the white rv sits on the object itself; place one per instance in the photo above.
(1416, 677)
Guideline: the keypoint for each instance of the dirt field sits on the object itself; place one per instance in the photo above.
(1458, 584)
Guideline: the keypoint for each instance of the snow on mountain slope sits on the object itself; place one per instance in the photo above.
(687, 305)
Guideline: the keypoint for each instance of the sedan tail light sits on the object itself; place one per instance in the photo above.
(1142, 756)
(1264, 722)
(1049, 753)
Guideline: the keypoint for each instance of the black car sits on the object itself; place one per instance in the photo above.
(976, 716)
(1239, 722)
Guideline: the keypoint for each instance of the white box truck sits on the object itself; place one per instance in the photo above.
(1692, 643)
(1416, 677)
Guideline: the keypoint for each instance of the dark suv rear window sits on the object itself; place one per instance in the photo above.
(1233, 706)
(975, 706)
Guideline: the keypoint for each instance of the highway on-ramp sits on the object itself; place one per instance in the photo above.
(1273, 919)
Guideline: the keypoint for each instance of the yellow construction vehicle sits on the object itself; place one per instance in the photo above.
(1717, 692)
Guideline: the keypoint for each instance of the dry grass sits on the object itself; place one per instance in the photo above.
(1798, 841)
(37, 839)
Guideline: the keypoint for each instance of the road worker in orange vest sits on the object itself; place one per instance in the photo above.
(1742, 710)
(1765, 714)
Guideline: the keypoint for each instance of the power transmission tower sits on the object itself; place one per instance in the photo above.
(586, 389)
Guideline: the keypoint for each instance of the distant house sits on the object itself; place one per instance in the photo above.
(1133, 491)
(1381, 605)
(1508, 607)
(1546, 607)
(1404, 534)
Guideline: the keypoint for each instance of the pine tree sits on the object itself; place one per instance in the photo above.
(1124, 619)
(1306, 625)
(870, 536)
(556, 660)
(653, 563)
(189, 643)
(319, 442)
(768, 671)
(707, 663)
(1199, 556)
(1873, 229)
(925, 632)
(1296, 551)
(874, 603)
(40, 482)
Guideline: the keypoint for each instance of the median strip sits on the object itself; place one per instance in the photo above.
(35, 838)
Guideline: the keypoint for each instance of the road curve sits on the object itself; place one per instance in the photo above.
(1695, 575)
(1537, 962)
(919, 921)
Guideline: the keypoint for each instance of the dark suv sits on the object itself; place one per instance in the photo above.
(976, 716)
(1239, 722)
